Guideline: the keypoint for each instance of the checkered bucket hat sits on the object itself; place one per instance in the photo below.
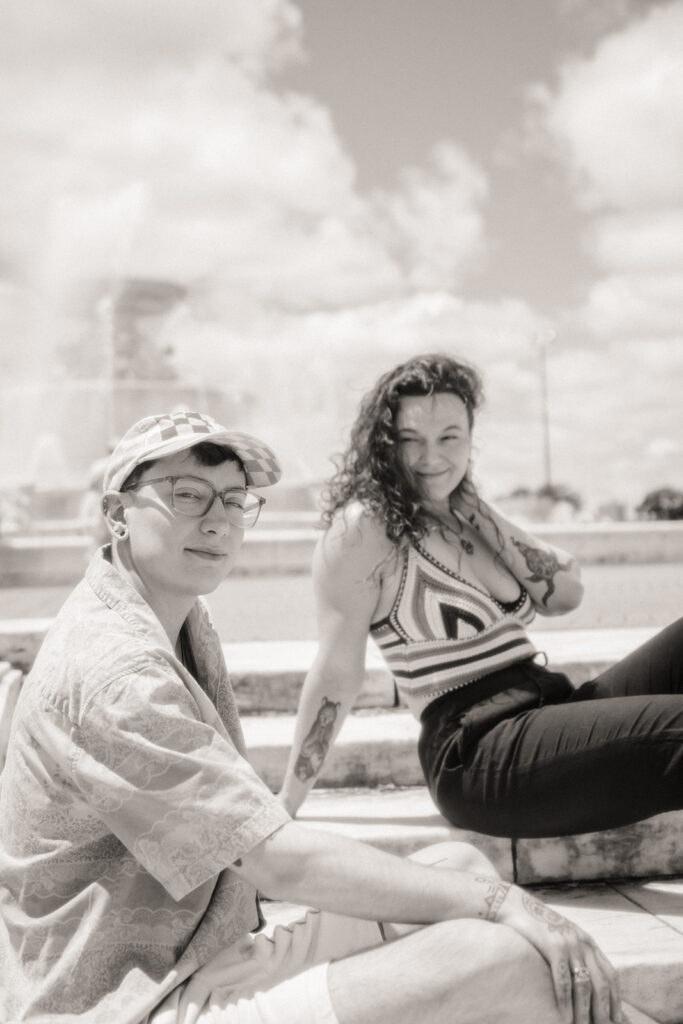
(157, 436)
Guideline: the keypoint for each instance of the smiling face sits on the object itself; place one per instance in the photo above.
(172, 558)
(433, 435)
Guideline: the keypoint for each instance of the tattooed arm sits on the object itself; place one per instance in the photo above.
(347, 589)
(551, 576)
(333, 873)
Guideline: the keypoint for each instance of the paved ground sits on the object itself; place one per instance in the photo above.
(281, 607)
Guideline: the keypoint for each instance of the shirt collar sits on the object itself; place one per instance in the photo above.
(119, 594)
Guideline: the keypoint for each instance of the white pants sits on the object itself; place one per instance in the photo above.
(278, 976)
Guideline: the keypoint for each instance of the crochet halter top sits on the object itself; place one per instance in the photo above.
(443, 632)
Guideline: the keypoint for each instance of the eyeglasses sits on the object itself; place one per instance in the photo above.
(192, 496)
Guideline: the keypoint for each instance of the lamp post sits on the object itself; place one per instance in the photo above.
(543, 340)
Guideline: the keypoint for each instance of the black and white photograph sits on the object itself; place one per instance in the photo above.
(341, 512)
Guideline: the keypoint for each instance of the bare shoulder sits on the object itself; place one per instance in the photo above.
(353, 552)
(355, 535)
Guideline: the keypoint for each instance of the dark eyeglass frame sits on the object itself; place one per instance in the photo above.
(234, 515)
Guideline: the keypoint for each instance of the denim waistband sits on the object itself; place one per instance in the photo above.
(549, 685)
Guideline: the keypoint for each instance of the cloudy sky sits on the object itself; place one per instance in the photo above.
(340, 183)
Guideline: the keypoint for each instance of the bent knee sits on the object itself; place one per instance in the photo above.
(491, 951)
(487, 965)
(500, 964)
(479, 944)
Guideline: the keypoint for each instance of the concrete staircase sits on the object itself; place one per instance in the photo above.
(625, 886)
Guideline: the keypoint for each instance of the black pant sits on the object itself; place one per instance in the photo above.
(535, 757)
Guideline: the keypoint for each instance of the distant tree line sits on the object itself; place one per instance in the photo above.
(662, 503)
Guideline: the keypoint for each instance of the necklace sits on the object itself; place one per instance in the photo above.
(465, 544)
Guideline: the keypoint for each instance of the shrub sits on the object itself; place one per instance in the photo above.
(662, 503)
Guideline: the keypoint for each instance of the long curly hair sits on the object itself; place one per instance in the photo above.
(370, 470)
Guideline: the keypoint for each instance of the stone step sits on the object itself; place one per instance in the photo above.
(402, 820)
(638, 925)
(35, 559)
(633, 1016)
(375, 747)
(267, 675)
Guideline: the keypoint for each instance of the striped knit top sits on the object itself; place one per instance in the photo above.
(443, 632)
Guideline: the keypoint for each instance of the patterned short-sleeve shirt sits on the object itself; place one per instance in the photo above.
(125, 798)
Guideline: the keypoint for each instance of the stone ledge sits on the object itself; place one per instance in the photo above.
(653, 846)
(34, 559)
(402, 820)
(268, 674)
(20, 640)
(374, 748)
(399, 821)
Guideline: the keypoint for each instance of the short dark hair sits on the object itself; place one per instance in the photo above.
(206, 453)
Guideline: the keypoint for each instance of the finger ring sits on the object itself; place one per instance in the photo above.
(581, 973)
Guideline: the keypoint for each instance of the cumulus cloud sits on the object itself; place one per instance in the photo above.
(434, 221)
(152, 140)
(313, 367)
(663, 447)
(617, 115)
(616, 118)
(637, 240)
(640, 252)
(147, 138)
(95, 96)
(635, 305)
(125, 35)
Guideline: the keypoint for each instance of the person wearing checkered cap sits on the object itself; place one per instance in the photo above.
(154, 437)
(135, 836)
(175, 463)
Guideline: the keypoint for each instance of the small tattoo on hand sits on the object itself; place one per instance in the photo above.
(549, 917)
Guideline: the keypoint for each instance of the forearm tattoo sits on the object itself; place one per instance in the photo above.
(317, 742)
(543, 566)
(494, 895)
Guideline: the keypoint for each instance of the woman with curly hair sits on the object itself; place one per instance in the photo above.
(446, 585)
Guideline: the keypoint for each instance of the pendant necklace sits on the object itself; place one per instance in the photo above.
(465, 544)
